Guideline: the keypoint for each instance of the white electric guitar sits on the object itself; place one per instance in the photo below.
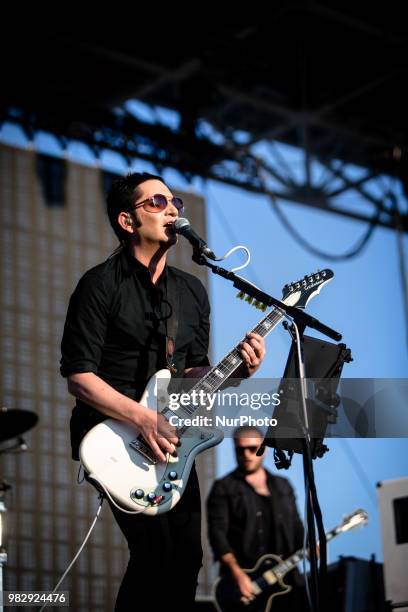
(115, 455)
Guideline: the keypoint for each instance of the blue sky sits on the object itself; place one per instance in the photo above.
(364, 302)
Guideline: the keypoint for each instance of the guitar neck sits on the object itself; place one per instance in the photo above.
(216, 377)
(295, 294)
(286, 566)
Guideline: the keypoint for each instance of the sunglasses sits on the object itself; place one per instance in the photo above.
(158, 202)
(240, 450)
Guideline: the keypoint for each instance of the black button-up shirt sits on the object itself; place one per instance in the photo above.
(116, 328)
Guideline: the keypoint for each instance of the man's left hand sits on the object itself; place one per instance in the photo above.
(252, 352)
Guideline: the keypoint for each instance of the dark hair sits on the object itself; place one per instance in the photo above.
(247, 430)
(121, 197)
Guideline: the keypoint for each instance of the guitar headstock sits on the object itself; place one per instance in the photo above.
(355, 519)
(302, 291)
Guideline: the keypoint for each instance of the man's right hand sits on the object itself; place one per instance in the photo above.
(243, 582)
(157, 431)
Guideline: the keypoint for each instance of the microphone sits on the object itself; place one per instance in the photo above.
(182, 226)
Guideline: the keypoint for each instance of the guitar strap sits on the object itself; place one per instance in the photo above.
(173, 298)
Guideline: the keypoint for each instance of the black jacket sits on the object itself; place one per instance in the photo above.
(231, 522)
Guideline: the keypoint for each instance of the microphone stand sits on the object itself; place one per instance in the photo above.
(301, 318)
(300, 321)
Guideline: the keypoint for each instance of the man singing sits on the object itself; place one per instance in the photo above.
(115, 338)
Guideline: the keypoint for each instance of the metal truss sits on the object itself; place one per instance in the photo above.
(201, 89)
(231, 163)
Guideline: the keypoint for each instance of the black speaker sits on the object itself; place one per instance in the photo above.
(355, 585)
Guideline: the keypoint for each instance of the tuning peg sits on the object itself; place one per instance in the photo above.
(259, 305)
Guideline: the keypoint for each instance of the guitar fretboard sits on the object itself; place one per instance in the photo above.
(280, 570)
(219, 373)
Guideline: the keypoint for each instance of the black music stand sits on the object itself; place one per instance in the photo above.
(324, 363)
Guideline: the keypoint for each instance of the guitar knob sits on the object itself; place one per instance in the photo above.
(151, 496)
(172, 475)
(167, 486)
(139, 493)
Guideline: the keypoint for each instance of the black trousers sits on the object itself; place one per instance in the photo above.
(165, 556)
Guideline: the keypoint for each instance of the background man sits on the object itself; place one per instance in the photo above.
(251, 513)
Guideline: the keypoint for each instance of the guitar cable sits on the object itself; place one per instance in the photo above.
(108, 495)
(312, 507)
(305, 553)
(101, 497)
